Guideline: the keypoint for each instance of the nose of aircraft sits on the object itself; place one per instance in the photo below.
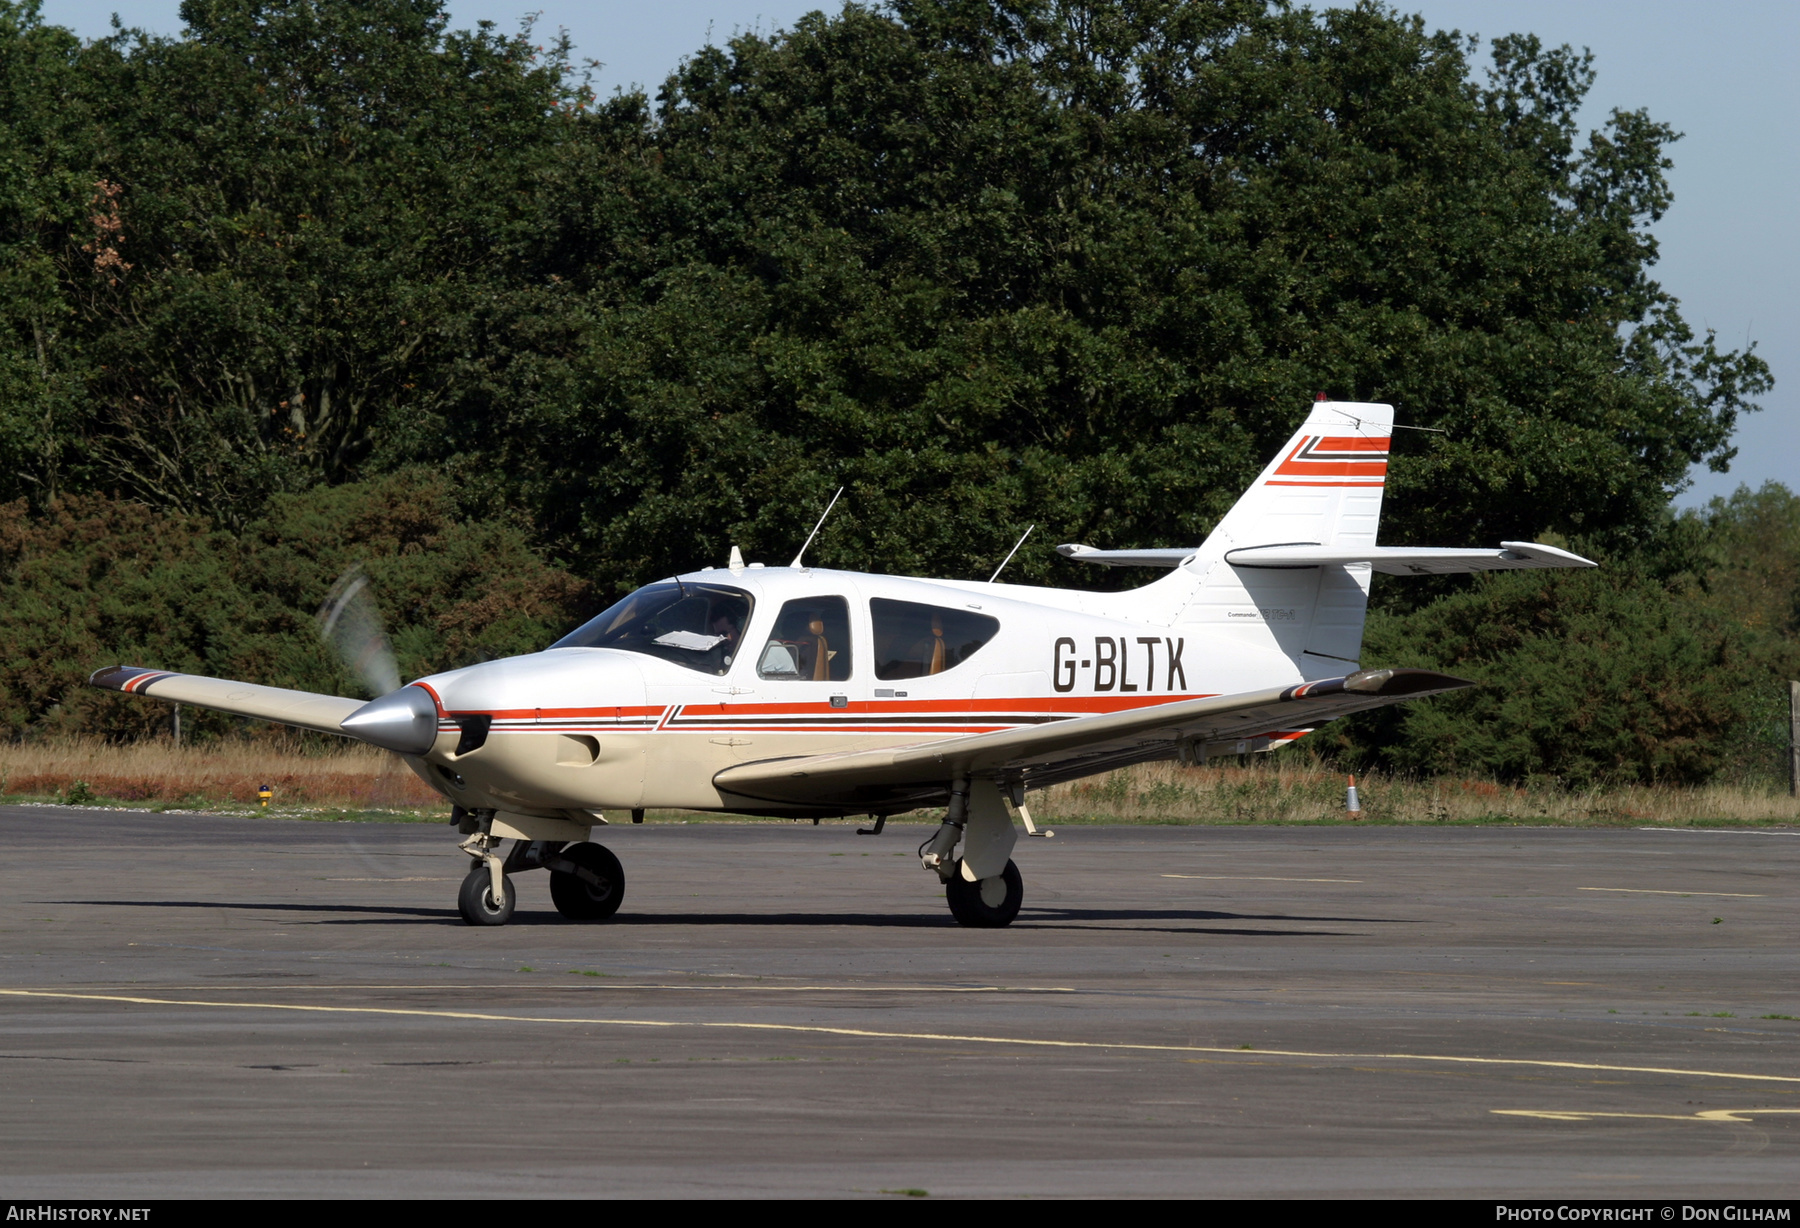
(405, 721)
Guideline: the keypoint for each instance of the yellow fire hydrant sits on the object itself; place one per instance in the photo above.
(265, 793)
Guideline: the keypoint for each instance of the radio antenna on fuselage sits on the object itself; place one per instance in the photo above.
(816, 528)
(1009, 554)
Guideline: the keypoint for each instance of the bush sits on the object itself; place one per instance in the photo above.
(1586, 677)
(96, 581)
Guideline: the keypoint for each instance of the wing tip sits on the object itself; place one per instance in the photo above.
(1403, 681)
(128, 678)
(1396, 683)
(1547, 556)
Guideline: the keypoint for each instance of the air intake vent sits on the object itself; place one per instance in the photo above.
(474, 732)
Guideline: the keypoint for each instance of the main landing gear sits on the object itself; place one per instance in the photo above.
(987, 903)
(587, 883)
(983, 886)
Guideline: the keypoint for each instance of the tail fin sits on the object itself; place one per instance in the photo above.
(1323, 488)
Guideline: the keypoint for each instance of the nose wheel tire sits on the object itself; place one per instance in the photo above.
(596, 888)
(475, 901)
(988, 904)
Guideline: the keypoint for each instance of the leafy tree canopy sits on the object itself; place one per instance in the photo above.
(986, 262)
(1085, 265)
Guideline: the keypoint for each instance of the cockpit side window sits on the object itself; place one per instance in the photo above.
(698, 626)
(916, 641)
(810, 642)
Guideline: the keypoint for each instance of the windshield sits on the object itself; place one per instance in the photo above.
(694, 625)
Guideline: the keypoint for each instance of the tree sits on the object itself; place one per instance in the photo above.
(271, 236)
(1085, 265)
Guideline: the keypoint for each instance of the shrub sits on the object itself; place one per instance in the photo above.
(1585, 677)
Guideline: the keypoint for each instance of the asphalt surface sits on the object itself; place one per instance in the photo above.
(192, 1005)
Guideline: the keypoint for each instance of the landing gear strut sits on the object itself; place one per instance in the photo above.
(486, 896)
(983, 886)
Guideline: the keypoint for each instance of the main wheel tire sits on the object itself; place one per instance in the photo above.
(988, 904)
(579, 900)
(475, 900)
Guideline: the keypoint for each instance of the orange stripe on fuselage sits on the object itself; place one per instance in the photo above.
(1068, 705)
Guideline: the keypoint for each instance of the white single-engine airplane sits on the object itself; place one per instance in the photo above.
(801, 692)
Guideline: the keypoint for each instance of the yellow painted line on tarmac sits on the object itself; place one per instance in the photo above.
(614, 983)
(1265, 878)
(1736, 895)
(1253, 1055)
(1739, 1116)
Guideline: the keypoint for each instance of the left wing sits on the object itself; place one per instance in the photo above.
(1039, 755)
(301, 709)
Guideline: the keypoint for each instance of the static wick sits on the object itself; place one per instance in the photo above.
(1009, 554)
(816, 528)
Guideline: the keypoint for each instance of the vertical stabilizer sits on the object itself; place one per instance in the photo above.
(1322, 488)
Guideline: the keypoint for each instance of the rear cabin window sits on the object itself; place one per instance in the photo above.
(916, 641)
(810, 643)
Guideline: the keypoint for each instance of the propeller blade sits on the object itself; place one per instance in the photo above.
(350, 623)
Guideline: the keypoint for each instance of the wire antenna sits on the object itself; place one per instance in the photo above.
(1398, 426)
(1009, 554)
(816, 528)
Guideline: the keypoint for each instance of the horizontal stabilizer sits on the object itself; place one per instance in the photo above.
(301, 709)
(1126, 558)
(1393, 560)
(1039, 755)
(1411, 560)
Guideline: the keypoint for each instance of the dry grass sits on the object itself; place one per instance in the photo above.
(1285, 789)
(1293, 790)
(160, 773)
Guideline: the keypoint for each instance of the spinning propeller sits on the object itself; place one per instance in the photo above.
(350, 623)
(397, 720)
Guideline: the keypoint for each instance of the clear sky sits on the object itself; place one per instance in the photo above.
(1723, 74)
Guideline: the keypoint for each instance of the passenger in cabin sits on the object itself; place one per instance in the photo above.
(810, 642)
(913, 640)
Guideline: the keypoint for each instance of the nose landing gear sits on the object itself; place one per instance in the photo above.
(477, 902)
(587, 883)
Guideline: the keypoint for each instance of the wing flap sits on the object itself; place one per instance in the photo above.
(1064, 750)
(301, 709)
